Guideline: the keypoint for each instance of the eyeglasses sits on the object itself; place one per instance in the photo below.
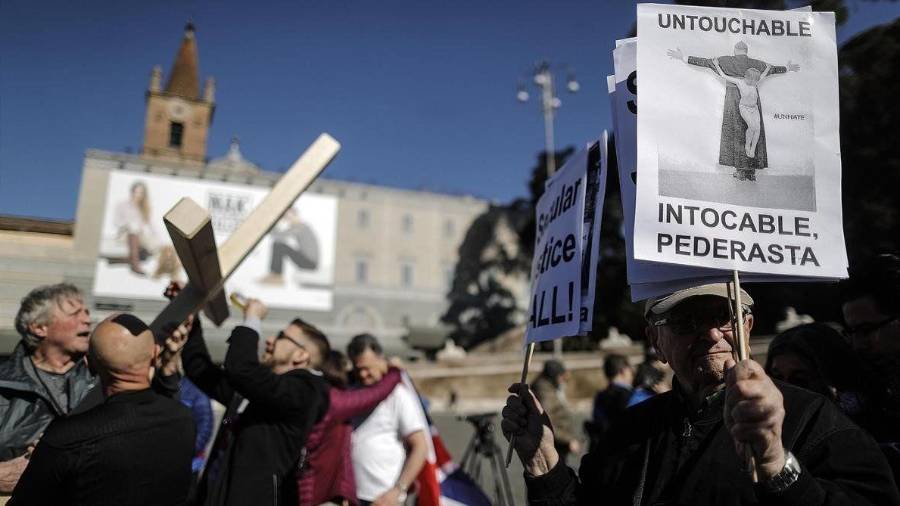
(865, 329)
(282, 335)
(692, 324)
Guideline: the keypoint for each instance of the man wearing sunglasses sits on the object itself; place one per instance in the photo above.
(686, 446)
(871, 307)
(271, 404)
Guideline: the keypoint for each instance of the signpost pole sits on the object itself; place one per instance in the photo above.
(742, 354)
(529, 352)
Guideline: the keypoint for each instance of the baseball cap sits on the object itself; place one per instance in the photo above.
(664, 303)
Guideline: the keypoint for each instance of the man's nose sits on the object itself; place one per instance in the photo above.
(711, 334)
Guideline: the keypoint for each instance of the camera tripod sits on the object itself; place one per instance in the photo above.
(483, 448)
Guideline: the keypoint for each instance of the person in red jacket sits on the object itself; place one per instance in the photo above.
(327, 474)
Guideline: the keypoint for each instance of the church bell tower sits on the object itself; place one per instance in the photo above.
(178, 117)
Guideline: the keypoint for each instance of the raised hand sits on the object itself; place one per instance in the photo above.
(675, 53)
(754, 415)
(174, 343)
(255, 308)
(524, 417)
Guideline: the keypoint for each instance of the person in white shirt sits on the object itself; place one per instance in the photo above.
(389, 445)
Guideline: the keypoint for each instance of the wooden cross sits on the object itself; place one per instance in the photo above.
(207, 266)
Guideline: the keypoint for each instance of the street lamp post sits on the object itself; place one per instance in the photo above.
(543, 78)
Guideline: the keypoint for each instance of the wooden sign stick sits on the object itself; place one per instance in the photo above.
(512, 439)
(742, 353)
(191, 233)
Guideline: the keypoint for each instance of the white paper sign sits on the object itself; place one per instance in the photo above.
(558, 247)
(738, 146)
(649, 279)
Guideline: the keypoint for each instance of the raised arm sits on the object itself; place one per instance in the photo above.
(346, 404)
(200, 369)
(258, 383)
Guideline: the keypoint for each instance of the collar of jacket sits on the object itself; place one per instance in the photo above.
(13, 375)
(131, 396)
(710, 409)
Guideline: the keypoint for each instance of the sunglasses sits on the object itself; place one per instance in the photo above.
(694, 323)
(282, 335)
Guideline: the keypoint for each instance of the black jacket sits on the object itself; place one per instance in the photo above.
(135, 449)
(25, 408)
(257, 449)
(660, 453)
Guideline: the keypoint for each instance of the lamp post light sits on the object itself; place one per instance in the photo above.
(543, 78)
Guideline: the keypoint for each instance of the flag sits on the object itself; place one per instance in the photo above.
(441, 482)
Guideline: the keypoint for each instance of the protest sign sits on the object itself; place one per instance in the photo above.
(649, 279)
(593, 216)
(751, 185)
(555, 301)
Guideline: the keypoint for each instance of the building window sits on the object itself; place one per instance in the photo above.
(406, 274)
(362, 272)
(449, 229)
(176, 132)
(362, 218)
(407, 223)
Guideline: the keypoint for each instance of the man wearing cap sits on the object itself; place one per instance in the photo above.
(135, 448)
(686, 446)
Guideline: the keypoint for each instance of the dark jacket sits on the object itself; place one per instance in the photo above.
(133, 449)
(660, 453)
(258, 449)
(25, 408)
(547, 392)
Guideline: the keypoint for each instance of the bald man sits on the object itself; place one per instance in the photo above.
(135, 448)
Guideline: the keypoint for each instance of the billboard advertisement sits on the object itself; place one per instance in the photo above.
(292, 267)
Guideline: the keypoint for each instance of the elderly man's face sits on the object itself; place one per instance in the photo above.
(69, 327)
(697, 340)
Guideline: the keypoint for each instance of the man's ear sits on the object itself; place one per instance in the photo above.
(652, 334)
(749, 324)
(300, 358)
(38, 329)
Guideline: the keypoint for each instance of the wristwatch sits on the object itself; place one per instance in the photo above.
(786, 477)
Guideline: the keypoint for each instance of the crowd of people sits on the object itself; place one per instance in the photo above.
(113, 414)
(116, 414)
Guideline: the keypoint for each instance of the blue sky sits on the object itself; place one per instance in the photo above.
(420, 93)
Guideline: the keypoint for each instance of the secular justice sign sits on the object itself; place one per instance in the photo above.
(738, 145)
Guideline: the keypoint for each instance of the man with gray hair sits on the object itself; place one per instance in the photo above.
(46, 376)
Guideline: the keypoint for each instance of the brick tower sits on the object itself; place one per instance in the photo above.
(178, 117)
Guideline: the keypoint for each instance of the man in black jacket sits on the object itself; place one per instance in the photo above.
(686, 446)
(271, 405)
(135, 448)
(871, 306)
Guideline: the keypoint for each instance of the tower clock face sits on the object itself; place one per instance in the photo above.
(178, 109)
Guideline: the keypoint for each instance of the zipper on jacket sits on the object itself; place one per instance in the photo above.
(688, 429)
